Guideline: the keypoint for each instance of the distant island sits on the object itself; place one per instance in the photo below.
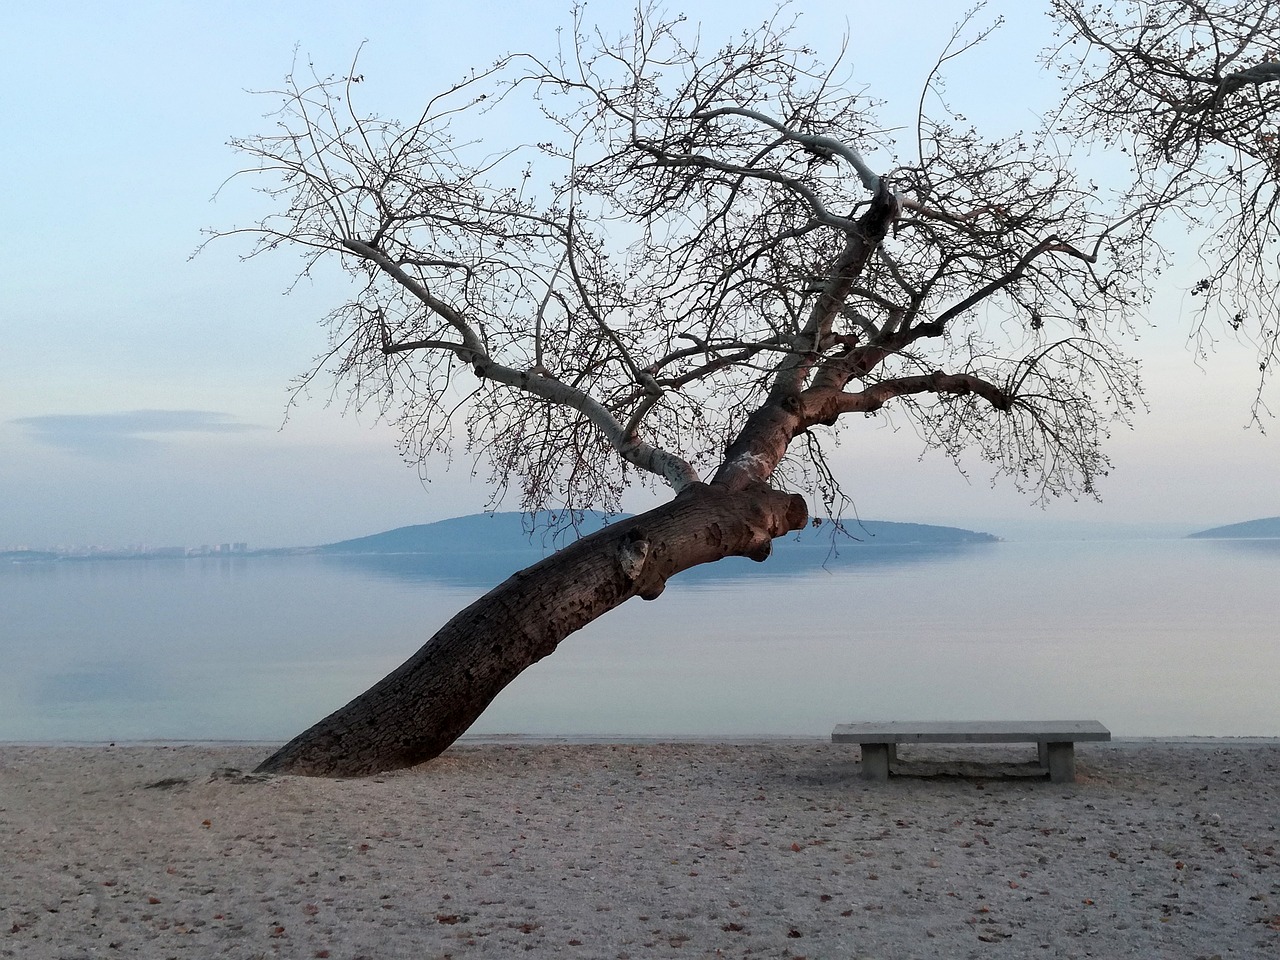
(490, 547)
(518, 532)
(1267, 528)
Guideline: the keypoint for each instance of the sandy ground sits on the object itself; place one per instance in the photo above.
(770, 849)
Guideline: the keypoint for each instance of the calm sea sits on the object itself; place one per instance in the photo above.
(1153, 637)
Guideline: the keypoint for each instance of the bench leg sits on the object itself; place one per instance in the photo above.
(875, 761)
(1061, 761)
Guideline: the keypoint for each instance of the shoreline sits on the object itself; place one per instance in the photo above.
(588, 739)
(633, 850)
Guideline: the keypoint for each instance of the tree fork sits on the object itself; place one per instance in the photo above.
(422, 707)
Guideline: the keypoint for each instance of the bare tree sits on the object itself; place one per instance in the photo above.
(1190, 92)
(691, 276)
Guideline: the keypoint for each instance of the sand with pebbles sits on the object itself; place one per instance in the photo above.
(640, 850)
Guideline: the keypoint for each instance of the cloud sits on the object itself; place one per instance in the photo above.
(120, 435)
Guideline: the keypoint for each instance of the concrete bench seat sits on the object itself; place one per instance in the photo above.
(1055, 739)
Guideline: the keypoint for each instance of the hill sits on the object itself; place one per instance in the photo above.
(509, 532)
(487, 548)
(1267, 528)
(476, 533)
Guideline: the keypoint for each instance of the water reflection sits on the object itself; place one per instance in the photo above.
(1151, 637)
(791, 559)
(1267, 549)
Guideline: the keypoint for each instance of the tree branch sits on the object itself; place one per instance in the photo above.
(824, 409)
(821, 146)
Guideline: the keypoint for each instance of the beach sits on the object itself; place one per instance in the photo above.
(771, 848)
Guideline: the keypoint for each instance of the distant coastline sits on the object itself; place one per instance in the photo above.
(64, 554)
(513, 535)
(510, 539)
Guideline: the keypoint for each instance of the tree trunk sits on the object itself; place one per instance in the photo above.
(418, 710)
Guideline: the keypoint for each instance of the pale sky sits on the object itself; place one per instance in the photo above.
(142, 393)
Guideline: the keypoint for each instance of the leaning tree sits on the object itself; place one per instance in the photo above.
(694, 268)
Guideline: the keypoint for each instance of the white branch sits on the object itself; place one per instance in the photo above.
(816, 143)
(675, 470)
(471, 340)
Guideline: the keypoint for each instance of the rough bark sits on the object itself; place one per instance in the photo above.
(418, 710)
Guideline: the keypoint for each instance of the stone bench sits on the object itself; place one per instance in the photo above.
(1055, 739)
